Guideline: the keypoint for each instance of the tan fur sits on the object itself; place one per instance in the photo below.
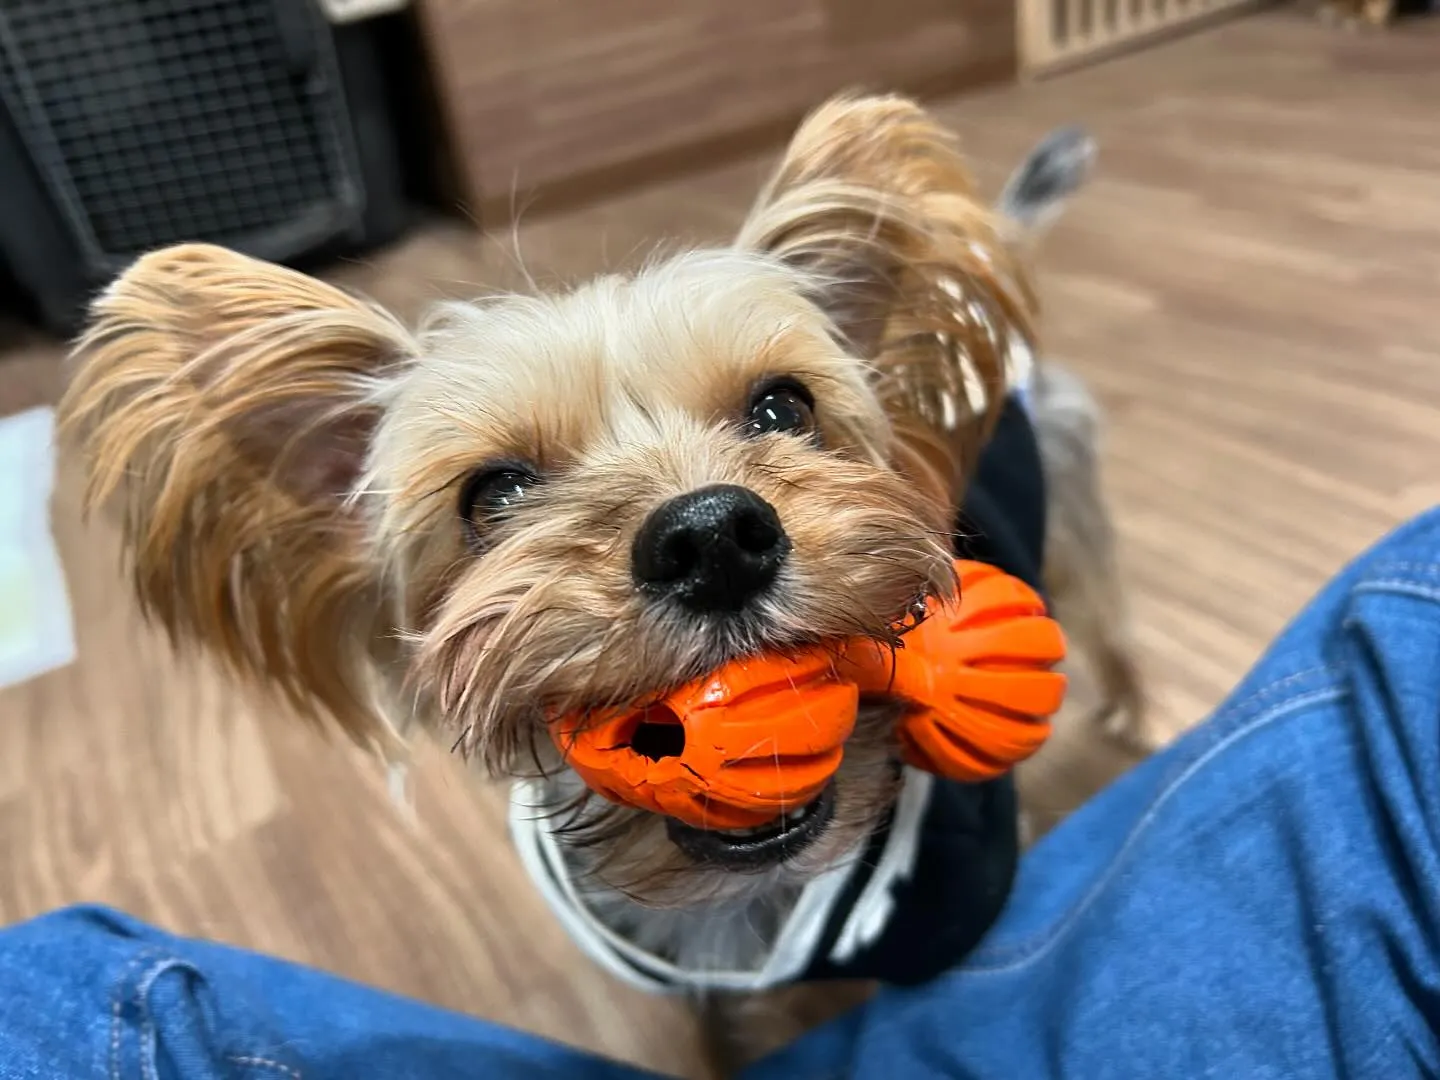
(291, 461)
(223, 399)
(874, 197)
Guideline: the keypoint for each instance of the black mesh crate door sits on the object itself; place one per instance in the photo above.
(157, 121)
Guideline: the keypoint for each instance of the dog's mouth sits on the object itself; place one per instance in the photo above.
(758, 848)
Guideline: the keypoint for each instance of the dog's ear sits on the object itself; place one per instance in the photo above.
(873, 199)
(229, 403)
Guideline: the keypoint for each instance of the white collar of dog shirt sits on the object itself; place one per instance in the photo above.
(800, 934)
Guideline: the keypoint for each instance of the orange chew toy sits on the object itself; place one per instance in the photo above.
(764, 735)
(760, 736)
(978, 675)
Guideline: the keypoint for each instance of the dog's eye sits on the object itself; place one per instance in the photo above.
(782, 407)
(491, 494)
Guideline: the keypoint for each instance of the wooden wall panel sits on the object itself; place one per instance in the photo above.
(568, 97)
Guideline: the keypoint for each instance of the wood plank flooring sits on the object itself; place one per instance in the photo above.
(1251, 287)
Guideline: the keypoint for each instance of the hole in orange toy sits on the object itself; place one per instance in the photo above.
(660, 734)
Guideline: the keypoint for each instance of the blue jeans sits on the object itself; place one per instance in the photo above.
(1260, 900)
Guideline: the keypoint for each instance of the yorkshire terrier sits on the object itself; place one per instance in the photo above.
(538, 505)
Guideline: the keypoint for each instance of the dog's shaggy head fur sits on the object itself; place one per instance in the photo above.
(441, 526)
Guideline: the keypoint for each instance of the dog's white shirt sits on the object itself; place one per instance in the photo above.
(800, 933)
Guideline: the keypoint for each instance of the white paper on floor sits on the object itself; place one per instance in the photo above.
(36, 630)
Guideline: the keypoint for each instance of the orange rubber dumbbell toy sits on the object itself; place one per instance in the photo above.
(765, 734)
(735, 750)
(978, 675)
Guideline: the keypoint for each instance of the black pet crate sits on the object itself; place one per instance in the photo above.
(126, 125)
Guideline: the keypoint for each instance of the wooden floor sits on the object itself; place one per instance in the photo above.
(1252, 286)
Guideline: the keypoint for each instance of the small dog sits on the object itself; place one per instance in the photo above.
(536, 505)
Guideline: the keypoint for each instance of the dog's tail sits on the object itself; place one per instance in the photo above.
(1037, 191)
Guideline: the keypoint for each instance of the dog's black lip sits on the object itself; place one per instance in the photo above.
(717, 848)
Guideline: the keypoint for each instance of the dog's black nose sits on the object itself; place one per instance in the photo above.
(712, 550)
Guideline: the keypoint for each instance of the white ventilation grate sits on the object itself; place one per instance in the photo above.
(1058, 33)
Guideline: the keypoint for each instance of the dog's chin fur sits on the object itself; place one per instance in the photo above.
(293, 464)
